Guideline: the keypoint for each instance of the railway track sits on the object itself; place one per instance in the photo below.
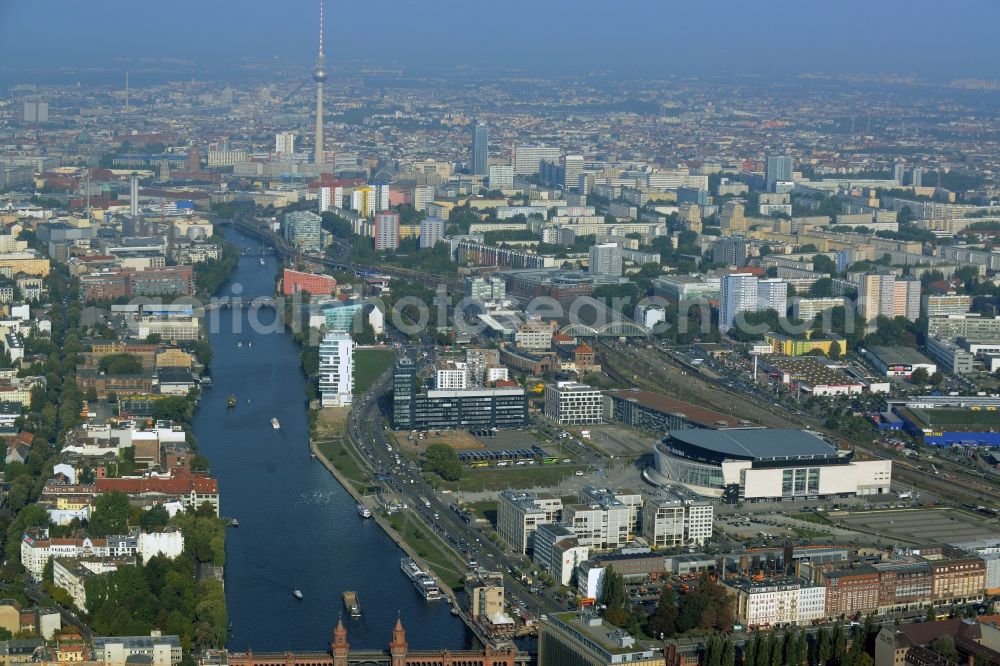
(952, 482)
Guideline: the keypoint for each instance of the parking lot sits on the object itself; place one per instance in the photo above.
(620, 441)
(920, 526)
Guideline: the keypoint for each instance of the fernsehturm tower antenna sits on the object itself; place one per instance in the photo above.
(319, 76)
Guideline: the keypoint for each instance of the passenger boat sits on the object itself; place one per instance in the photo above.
(297, 594)
(364, 511)
(275, 424)
(425, 584)
(351, 604)
(231, 402)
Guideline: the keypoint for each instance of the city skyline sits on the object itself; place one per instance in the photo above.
(783, 38)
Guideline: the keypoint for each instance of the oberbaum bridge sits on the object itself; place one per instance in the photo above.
(398, 654)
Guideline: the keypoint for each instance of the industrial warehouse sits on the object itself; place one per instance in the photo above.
(764, 465)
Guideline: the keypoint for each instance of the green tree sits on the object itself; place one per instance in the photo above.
(824, 647)
(835, 350)
(944, 647)
(751, 650)
(728, 653)
(176, 408)
(154, 518)
(120, 364)
(824, 264)
(442, 460)
(839, 641)
(919, 376)
(663, 620)
(110, 514)
(821, 288)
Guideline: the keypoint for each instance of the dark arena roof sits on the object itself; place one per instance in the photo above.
(763, 445)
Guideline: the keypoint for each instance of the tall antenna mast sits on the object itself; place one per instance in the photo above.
(319, 76)
(126, 91)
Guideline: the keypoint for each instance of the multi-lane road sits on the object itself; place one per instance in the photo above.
(467, 541)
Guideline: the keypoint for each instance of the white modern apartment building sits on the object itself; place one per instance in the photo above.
(772, 294)
(745, 292)
(520, 513)
(573, 403)
(737, 293)
(558, 551)
(336, 369)
(604, 518)
(668, 521)
(452, 376)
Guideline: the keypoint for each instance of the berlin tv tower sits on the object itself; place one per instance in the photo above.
(319, 76)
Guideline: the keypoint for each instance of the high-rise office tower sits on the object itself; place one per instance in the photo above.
(404, 392)
(899, 172)
(501, 177)
(738, 293)
(885, 295)
(319, 76)
(772, 294)
(284, 144)
(733, 219)
(528, 159)
(731, 251)
(918, 177)
(777, 169)
(606, 259)
(386, 230)
(194, 160)
(572, 168)
(133, 196)
(480, 147)
(303, 229)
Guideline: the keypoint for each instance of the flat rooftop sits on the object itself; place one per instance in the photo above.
(674, 407)
(760, 443)
(899, 355)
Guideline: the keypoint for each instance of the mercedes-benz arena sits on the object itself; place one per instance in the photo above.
(762, 465)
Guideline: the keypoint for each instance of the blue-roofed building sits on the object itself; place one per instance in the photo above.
(763, 465)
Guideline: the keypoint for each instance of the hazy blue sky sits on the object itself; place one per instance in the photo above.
(924, 37)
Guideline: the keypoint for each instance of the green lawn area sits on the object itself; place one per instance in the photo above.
(536, 476)
(431, 549)
(811, 517)
(806, 533)
(368, 365)
(342, 455)
(487, 510)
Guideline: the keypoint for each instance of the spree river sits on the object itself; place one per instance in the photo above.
(299, 529)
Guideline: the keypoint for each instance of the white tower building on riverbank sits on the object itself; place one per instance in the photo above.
(336, 369)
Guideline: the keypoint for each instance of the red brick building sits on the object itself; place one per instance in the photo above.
(310, 283)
